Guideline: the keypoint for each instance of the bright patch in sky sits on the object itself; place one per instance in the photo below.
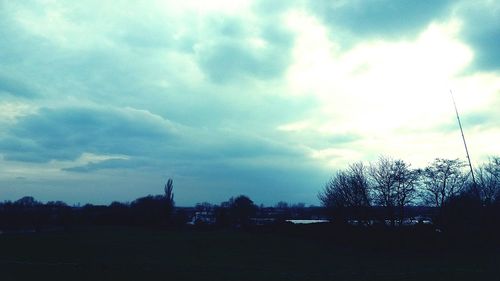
(104, 101)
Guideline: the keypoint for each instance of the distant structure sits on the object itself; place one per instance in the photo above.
(465, 144)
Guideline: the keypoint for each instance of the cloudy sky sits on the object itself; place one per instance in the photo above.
(105, 100)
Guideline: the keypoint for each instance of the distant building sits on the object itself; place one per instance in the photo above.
(205, 217)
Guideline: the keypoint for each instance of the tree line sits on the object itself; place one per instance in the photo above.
(30, 214)
(386, 192)
(393, 185)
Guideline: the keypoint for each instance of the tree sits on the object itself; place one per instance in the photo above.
(169, 198)
(443, 180)
(27, 202)
(149, 210)
(222, 214)
(155, 209)
(347, 192)
(384, 185)
(281, 205)
(394, 186)
(488, 180)
(242, 209)
(407, 180)
(237, 211)
(298, 210)
(283, 211)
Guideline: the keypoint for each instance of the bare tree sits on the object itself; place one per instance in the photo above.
(384, 185)
(406, 186)
(443, 180)
(488, 177)
(394, 186)
(347, 190)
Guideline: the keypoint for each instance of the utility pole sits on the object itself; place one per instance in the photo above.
(465, 145)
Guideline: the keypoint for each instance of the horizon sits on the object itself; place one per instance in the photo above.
(103, 102)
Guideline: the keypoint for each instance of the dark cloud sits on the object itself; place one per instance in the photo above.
(27, 150)
(15, 88)
(241, 145)
(380, 18)
(481, 30)
(232, 56)
(66, 133)
(227, 61)
(146, 139)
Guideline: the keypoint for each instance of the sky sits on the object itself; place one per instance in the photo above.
(103, 101)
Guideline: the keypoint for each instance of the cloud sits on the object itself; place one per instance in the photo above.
(235, 51)
(66, 133)
(379, 18)
(264, 98)
(345, 138)
(481, 29)
(16, 88)
(114, 163)
(224, 62)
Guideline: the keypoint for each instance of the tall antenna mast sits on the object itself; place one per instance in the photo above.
(465, 144)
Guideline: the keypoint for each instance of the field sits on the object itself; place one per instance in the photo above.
(286, 253)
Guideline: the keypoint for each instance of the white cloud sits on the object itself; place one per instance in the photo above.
(392, 93)
(10, 111)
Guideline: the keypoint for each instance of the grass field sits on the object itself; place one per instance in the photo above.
(121, 253)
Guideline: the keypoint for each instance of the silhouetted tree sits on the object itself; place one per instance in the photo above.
(27, 202)
(281, 205)
(282, 211)
(149, 210)
(347, 193)
(119, 213)
(488, 180)
(242, 209)
(407, 180)
(488, 187)
(384, 188)
(394, 186)
(222, 214)
(26, 213)
(443, 179)
(57, 213)
(462, 212)
(298, 210)
(237, 211)
(169, 198)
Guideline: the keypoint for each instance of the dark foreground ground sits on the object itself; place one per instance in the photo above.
(318, 252)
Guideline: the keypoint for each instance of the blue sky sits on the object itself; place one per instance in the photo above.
(106, 100)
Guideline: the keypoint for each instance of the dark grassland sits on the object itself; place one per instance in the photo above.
(286, 252)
